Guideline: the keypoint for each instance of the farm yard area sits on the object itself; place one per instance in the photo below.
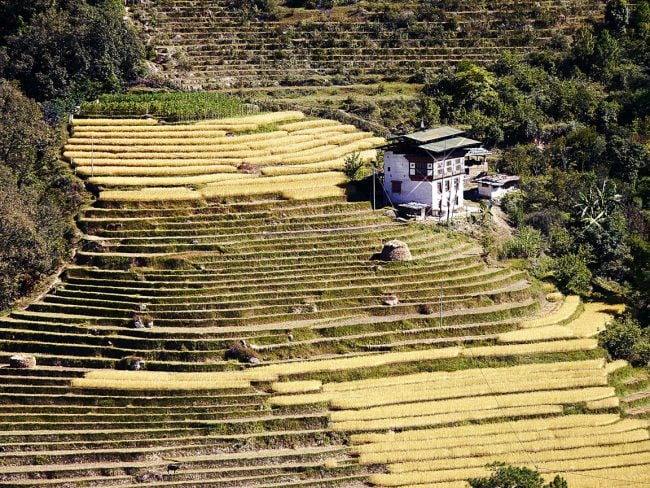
(213, 234)
(324, 243)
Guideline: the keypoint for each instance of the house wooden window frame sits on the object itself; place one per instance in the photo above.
(396, 186)
(421, 171)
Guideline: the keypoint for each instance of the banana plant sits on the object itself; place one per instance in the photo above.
(597, 205)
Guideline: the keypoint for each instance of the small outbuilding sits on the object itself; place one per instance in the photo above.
(428, 168)
(495, 186)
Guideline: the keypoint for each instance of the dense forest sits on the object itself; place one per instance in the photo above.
(52, 56)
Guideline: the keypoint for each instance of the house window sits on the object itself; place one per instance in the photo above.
(396, 186)
(440, 187)
(456, 183)
(420, 171)
(447, 185)
(438, 167)
(448, 166)
(389, 169)
(459, 165)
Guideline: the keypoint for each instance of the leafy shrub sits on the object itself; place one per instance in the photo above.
(572, 274)
(355, 168)
(624, 339)
(527, 243)
(506, 476)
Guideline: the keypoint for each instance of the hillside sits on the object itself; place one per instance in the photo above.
(223, 44)
(354, 387)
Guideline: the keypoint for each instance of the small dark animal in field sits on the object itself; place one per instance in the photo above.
(172, 468)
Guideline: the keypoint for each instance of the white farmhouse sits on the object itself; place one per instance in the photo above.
(428, 169)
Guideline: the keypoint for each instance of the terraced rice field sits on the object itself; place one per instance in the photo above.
(350, 391)
(274, 153)
(212, 44)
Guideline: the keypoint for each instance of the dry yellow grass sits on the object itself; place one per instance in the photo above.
(616, 365)
(112, 122)
(624, 477)
(309, 124)
(330, 165)
(146, 181)
(177, 129)
(326, 131)
(522, 457)
(594, 318)
(559, 397)
(154, 170)
(150, 194)
(568, 308)
(469, 431)
(270, 185)
(259, 119)
(593, 462)
(494, 449)
(442, 419)
(296, 386)
(556, 466)
(507, 434)
(273, 372)
(508, 380)
(611, 402)
(534, 348)
(89, 136)
(389, 396)
(153, 162)
(524, 370)
(311, 193)
(171, 384)
(535, 334)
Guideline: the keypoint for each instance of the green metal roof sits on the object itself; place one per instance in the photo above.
(449, 144)
(431, 135)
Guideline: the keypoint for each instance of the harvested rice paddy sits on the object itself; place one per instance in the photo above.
(239, 231)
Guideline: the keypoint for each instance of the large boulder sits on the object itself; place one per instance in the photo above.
(396, 251)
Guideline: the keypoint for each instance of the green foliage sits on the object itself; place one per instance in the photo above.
(506, 476)
(266, 9)
(37, 197)
(572, 274)
(69, 51)
(624, 339)
(617, 16)
(526, 243)
(172, 106)
(355, 167)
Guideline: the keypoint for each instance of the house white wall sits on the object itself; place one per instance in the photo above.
(396, 168)
(492, 192)
(447, 186)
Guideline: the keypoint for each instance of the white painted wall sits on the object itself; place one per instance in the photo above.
(493, 192)
(396, 168)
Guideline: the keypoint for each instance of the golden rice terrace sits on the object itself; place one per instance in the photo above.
(239, 237)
